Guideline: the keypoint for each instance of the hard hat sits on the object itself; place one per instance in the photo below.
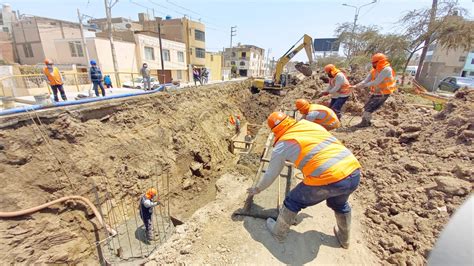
(328, 68)
(150, 193)
(93, 62)
(377, 57)
(275, 118)
(48, 62)
(302, 105)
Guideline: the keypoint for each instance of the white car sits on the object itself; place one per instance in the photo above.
(137, 83)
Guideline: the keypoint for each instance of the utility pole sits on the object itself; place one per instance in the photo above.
(426, 43)
(233, 32)
(158, 21)
(356, 16)
(84, 43)
(108, 13)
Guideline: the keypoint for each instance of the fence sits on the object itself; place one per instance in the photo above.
(35, 84)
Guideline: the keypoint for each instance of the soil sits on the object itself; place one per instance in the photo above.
(416, 165)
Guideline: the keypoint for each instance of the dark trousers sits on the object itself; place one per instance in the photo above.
(375, 102)
(336, 105)
(98, 84)
(336, 194)
(197, 79)
(59, 88)
(108, 86)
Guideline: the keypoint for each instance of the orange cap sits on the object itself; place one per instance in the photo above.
(302, 105)
(328, 68)
(150, 193)
(275, 118)
(48, 62)
(377, 57)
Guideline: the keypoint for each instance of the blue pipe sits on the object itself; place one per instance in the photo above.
(35, 107)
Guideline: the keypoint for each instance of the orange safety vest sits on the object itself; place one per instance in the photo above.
(54, 78)
(388, 85)
(322, 158)
(345, 87)
(326, 117)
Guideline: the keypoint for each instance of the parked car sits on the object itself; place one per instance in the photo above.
(450, 85)
(137, 83)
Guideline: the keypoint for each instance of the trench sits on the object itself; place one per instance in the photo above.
(110, 152)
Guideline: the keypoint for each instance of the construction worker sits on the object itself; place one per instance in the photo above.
(96, 78)
(339, 89)
(317, 113)
(331, 172)
(54, 79)
(147, 204)
(382, 83)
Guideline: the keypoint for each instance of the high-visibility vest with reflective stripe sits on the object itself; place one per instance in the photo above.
(322, 159)
(326, 117)
(388, 85)
(54, 78)
(345, 87)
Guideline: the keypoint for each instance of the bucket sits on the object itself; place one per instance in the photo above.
(43, 99)
(8, 102)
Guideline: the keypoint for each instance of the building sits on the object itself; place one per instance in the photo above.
(214, 66)
(118, 24)
(468, 69)
(6, 49)
(248, 60)
(34, 37)
(7, 18)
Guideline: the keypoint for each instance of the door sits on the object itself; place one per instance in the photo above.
(243, 72)
(164, 76)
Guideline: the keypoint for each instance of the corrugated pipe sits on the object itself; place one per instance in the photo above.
(24, 109)
(87, 202)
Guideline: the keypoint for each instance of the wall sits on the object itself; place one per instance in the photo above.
(468, 68)
(193, 43)
(253, 61)
(214, 65)
(8, 18)
(6, 48)
(26, 31)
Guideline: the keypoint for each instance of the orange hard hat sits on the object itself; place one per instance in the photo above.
(150, 193)
(302, 105)
(48, 62)
(329, 68)
(275, 118)
(377, 57)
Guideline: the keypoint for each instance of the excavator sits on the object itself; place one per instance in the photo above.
(279, 79)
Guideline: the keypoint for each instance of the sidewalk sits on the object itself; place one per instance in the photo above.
(191, 84)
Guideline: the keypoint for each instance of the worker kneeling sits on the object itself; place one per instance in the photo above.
(331, 172)
(147, 204)
(318, 114)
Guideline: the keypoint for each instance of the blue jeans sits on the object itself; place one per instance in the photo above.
(98, 84)
(336, 105)
(335, 194)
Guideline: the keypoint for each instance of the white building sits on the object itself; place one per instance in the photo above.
(7, 17)
(249, 60)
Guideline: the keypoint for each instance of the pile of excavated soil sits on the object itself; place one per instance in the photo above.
(123, 146)
(417, 170)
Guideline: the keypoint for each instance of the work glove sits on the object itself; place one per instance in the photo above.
(253, 191)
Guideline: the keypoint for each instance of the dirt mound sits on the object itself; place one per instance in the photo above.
(417, 168)
(256, 107)
(123, 146)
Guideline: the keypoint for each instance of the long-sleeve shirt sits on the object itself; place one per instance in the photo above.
(333, 90)
(145, 72)
(287, 150)
(95, 74)
(149, 204)
(367, 82)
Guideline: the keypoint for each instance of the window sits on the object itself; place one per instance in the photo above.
(244, 54)
(166, 55)
(180, 56)
(27, 50)
(5, 29)
(242, 63)
(233, 54)
(178, 74)
(462, 59)
(232, 63)
(1, 18)
(200, 53)
(149, 53)
(471, 73)
(199, 35)
(472, 61)
(76, 49)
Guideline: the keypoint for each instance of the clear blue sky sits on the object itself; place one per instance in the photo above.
(275, 24)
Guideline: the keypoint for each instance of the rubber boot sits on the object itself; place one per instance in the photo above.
(343, 228)
(366, 117)
(280, 228)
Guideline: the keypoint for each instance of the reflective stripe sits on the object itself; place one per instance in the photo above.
(329, 163)
(321, 115)
(325, 121)
(315, 150)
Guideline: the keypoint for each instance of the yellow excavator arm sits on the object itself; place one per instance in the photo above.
(307, 45)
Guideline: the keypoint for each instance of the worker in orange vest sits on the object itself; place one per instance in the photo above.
(331, 173)
(317, 113)
(147, 203)
(54, 79)
(382, 83)
(339, 88)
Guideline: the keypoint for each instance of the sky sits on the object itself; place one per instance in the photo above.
(274, 24)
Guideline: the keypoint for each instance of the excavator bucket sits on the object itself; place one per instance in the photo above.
(304, 69)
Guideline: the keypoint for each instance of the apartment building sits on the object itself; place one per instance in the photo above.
(7, 18)
(468, 70)
(34, 37)
(6, 48)
(248, 60)
(214, 65)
